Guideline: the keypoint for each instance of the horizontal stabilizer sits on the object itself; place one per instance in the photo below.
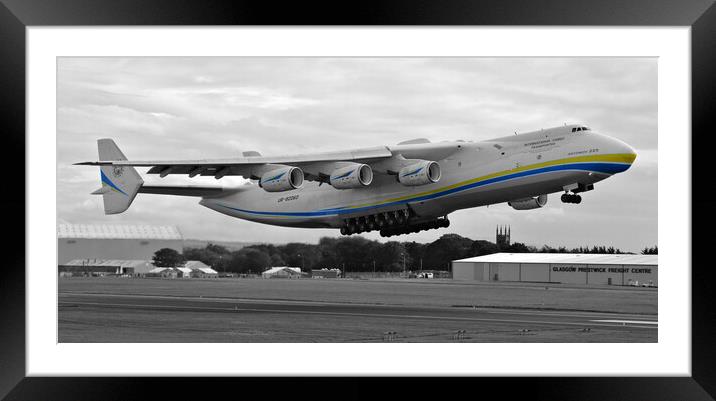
(189, 190)
(101, 191)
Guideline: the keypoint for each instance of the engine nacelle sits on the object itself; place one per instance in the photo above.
(354, 176)
(529, 203)
(422, 173)
(282, 179)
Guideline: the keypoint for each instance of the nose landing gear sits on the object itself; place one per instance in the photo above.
(571, 198)
(575, 188)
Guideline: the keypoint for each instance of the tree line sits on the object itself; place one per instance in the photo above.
(360, 254)
(650, 251)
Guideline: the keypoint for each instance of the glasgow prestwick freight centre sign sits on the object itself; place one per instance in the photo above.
(633, 272)
(601, 269)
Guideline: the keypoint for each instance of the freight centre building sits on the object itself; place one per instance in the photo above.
(598, 269)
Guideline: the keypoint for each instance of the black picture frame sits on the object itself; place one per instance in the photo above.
(16, 15)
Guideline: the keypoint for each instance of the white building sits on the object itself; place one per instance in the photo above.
(609, 269)
(117, 242)
(283, 271)
(201, 269)
(166, 272)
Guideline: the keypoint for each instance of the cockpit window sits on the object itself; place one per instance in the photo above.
(579, 128)
(585, 128)
(574, 129)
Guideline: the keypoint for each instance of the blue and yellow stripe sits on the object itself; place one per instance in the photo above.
(106, 180)
(607, 164)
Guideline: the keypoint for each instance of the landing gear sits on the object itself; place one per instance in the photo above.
(361, 224)
(396, 222)
(571, 198)
(576, 188)
(414, 228)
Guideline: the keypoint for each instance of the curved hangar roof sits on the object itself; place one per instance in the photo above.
(567, 258)
(113, 231)
(106, 262)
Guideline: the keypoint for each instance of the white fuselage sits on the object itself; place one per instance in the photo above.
(477, 174)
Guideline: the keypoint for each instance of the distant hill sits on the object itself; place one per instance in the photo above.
(230, 245)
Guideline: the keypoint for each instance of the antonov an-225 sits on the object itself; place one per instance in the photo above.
(397, 189)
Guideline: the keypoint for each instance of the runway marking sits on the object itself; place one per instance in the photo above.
(482, 309)
(626, 321)
(374, 315)
(213, 299)
(566, 313)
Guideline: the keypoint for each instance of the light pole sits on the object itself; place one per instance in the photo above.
(302, 267)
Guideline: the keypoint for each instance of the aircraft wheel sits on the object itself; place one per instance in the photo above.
(344, 231)
(565, 198)
(577, 199)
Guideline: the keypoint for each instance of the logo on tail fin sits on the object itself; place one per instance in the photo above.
(106, 180)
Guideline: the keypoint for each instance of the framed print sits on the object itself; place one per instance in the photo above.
(181, 92)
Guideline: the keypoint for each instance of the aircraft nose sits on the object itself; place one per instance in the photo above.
(625, 152)
(628, 151)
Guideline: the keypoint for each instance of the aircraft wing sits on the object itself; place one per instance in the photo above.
(315, 165)
(248, 167)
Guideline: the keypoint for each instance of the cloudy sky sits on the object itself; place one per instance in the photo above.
(189, 108)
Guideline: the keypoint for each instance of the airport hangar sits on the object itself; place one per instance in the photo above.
(114, 242)
(598, 269)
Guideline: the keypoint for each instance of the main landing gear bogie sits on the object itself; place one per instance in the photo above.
(389, 224)
(571, 198)
(414, 228)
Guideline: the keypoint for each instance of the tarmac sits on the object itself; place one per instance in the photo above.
(86, 316)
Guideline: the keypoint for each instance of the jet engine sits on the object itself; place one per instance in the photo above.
(529, 203)
(282, 179)
(421, 173)
(354, 176)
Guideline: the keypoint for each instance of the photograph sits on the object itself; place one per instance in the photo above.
(337, 198)
(331, 199)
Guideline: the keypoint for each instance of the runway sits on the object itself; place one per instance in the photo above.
(93, 317)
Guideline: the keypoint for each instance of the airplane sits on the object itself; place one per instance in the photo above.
(395, 189)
